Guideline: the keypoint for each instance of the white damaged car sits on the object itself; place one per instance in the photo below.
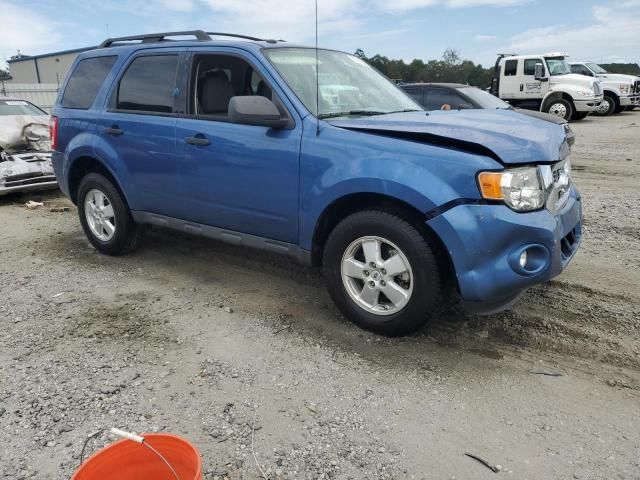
(25, 149)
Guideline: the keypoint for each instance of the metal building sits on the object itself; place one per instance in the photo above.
(49, 68)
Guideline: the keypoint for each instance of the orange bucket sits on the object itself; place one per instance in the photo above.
(127, 460)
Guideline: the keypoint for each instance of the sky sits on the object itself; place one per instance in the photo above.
(600, 30)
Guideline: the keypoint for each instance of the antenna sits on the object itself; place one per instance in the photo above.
(317, 78)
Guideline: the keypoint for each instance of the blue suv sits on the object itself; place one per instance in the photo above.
(314, 154)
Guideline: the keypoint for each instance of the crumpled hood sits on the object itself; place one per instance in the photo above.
(513, 138)
(19, 133)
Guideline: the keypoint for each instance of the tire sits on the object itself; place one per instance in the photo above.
(611, 103)
(113, 231)
(421, 283)
(579, 115)
(561, 108)
(618, 109)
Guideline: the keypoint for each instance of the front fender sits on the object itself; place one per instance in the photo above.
(341, 162)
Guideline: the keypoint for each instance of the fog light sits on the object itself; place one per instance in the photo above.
(523, 259)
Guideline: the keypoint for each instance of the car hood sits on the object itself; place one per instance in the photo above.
(617, 77)
(578, 81)
(505, 135)
(20, 133)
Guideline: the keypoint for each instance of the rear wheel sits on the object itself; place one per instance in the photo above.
(105, 216)
(382, 273)
(561, 108)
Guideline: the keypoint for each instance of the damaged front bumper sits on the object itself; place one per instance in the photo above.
(26, 172)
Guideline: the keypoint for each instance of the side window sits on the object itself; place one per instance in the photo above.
(85, 81)
(215, 79)
(530, 66)
(440, 99)
(415, 93)
(581, 70)
(148, 84)
(510, 68)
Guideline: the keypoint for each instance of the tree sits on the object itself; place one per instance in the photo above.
(451, 57)
(360, 54)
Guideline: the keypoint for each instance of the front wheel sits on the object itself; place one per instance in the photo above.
(607, 107)
(579, 115)
(105, 216)
(382, 273)
(561, 108)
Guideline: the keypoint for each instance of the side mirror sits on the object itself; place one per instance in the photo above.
(539, 72)
(255, 110)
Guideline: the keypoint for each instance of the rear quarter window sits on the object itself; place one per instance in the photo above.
(510, 68)
(85, 81)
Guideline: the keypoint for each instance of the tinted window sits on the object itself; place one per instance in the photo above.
(148, 84)
(530, 66)
(414, 92)
(444, 99)
(510, 68)
(580, 70)
(85, 81)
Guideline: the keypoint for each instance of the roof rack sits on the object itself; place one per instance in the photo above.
(199, 35)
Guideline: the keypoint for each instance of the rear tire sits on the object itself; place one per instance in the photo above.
(561, 108)
(105, 216)
(355, 256)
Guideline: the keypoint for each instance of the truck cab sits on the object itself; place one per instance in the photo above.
(545, 82)
(621, 92)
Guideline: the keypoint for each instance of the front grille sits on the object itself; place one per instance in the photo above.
(636, 88)
(28, 179)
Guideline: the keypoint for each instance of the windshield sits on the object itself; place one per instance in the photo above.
(482, 98)
(558, 66)
(348, 85)
(19, 107)
(596, 68)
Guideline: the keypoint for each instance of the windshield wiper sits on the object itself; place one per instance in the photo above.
(351, 112)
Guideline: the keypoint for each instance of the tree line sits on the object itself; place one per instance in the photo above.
(452, 68)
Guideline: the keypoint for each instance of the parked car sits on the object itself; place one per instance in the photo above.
(621, 92)
(232, 140)
(25, 150)
(544, 82)
(456, 96)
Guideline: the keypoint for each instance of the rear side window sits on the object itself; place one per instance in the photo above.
(415, 93)
(148, 84)
(85, 81)
(510, 68)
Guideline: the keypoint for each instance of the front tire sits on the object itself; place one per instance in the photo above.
(382, 273)
(608, 106)
(561, 108)
(579, 115)
(105, 216)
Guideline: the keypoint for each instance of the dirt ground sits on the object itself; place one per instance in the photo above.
(202, 339)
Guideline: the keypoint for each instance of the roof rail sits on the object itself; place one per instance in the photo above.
(200, 35)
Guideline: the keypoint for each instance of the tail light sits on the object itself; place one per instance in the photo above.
(53, 132)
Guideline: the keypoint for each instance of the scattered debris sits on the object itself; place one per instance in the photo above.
(253, 451)
(493, 468)
(58, 209)
(282, 329)
(31, 205)
(538, 371)
(57, 295)
(228, 309)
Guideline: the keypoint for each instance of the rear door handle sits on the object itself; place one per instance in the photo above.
(114, 130)
(198, 140)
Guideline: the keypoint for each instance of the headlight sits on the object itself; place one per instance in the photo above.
(624, 89)
(520, 188)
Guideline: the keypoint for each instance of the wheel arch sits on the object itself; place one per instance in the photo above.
(555, 96)
(351, 203)
(85, 165)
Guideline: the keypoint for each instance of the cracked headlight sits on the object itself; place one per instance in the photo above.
(519, 188)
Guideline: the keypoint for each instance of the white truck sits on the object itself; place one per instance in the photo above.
(544, 82)
(621, 92)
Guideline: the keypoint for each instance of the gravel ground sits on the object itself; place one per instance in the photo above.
(221, 345)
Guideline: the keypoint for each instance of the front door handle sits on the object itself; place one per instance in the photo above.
(114, 130)
(521, 87)
(198, 140)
